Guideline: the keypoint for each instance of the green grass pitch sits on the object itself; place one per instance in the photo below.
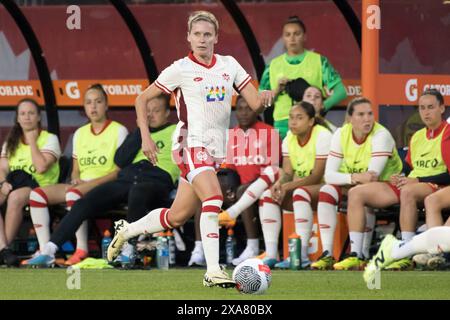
(186, 284)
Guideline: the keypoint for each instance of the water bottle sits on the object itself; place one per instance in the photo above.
(172, 248)
(32, 243)
(105, 243)
(162, 252)
(230, 246)
(295, 251)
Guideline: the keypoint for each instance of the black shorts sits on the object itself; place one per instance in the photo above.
(20, 179)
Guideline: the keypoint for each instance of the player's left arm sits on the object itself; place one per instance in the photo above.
(382, 147)
(257, 101)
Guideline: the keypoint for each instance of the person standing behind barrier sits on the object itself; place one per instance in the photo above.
(362, 151)
(298, 62)
(429, 157)
(29, 158)
(94, 146)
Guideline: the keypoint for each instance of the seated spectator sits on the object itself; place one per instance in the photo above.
(29, 158)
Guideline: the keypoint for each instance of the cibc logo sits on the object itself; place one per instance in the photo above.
(411, 90)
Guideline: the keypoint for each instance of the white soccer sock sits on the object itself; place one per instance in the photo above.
(49, 249)
(40, 216)
(209, 229)
(303, 214)
(407, 235)
(270, 216)
(434, 240)
(438, 239)
(155, 221)
(356, 242)
(327, 214)
(198, 245)
(253, 244)
(249, 197)
(73, 195)
(368, 232)
(253, 192)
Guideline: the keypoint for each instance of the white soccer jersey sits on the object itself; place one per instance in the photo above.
(203, 100)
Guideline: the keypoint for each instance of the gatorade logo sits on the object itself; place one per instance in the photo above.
(324, 226)
(72, 90)
(269, 221)
(411, 90)
(301, 220)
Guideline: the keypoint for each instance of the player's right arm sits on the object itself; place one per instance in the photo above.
(149, 147)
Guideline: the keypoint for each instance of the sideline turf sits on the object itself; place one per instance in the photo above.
(186, 284)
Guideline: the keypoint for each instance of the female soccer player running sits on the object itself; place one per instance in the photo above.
(202, 84)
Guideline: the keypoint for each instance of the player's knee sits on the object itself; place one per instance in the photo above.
(301, 194)
(407, 194)
(266, 194)
(329, 194)
(270, 175)
(355, 194)
(431, 203)
(38, 198)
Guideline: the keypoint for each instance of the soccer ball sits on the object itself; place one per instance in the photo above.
(252, 276)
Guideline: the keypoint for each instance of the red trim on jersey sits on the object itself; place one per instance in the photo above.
(380, 154)
(244, 83)
(336, 155)
(162, 87)
(181, 106)
(50, 152)
(445, 146)
(193, 58)
(359, 142)
(431, 134)
(307, 139)
(107, 123)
